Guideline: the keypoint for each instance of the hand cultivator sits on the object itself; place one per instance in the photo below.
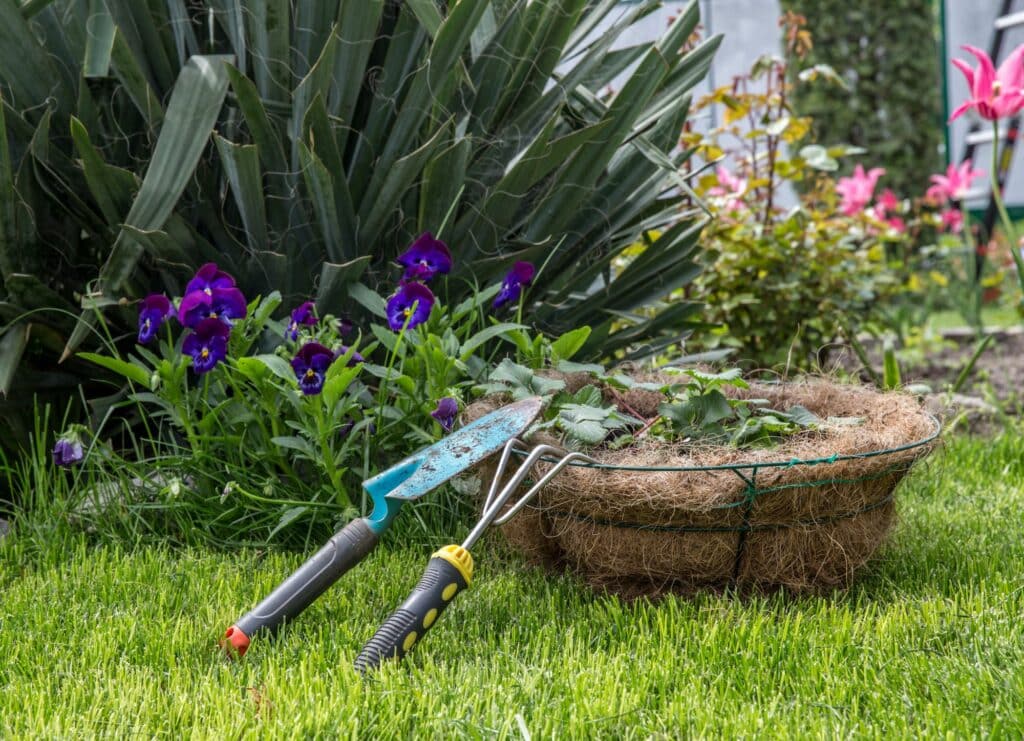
(450, 569)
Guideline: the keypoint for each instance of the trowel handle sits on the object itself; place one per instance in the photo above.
(344, 550)
(448, 572)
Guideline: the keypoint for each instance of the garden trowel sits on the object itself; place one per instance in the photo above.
(409, 479)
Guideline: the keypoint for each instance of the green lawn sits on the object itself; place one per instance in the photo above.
(993, 317)
(108, 641)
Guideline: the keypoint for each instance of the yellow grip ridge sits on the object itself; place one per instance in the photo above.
(458, 557)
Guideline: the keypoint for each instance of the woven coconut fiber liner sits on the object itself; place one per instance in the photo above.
(803, 515)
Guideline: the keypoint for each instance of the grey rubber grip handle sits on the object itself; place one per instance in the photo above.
(345, 549)
(405, 627)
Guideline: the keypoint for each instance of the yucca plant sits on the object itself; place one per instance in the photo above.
(303, 145)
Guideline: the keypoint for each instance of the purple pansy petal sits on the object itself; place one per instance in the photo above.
(207, 345)
(228, 304)
(302, 315)
(509, 293)
(194, 308)
(522, 272)
(310, 365)
(356, 357)
(511, 288)
(67, 452)
(208, 278)
(447, 410)
(158, 303)
(153, 310)
(425, 258)
(412, 302)
(149, 323)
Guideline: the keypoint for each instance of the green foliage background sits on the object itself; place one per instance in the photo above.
(302, 145)
(886, 52)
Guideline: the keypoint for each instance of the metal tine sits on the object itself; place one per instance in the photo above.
(506, 453)
(566, 460)
(496, 502)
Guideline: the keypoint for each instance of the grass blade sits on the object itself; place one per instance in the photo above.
(965, 372)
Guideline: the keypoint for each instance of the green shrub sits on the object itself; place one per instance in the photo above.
(782, 294)
(782, 284)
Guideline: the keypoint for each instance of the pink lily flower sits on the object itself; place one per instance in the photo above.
(955, 184)
(856, 191)
(730, 187)
(886, 204)
(995, 93)
(952, 220)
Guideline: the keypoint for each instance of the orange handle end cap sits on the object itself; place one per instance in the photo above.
(235, 641)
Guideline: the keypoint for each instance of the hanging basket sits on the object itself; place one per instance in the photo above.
(803, 515)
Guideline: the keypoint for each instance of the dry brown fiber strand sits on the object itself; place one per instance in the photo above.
(799, 527)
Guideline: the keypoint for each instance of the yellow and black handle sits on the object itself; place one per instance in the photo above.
(449, 571)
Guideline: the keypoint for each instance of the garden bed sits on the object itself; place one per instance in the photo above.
(992, 389)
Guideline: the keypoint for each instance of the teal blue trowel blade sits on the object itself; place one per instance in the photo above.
(430, 467)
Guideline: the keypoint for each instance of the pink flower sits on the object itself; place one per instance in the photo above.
(952, 220)
(897, 224)
(996, 94)
(730, 187)
(857, 190)
(886, 202)
(954, 185)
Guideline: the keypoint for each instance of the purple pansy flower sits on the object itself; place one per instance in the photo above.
(520, 275)
(154, 309)
(447, 410)
(67, 452)
(345, 326)
(302, 315)
(225, 304)
(207, 344)
(208, 279)
(425, 258)
(412, 302)
(356, 357)
(310, 365)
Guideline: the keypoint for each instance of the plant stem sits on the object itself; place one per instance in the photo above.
(997, 197)
(327, 453)
(186, 418)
